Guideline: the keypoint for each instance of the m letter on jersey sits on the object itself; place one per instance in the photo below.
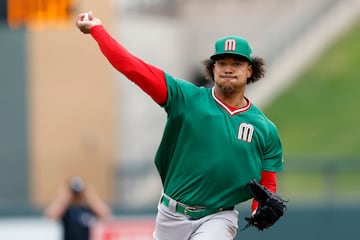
(230, 45)
(246, 132)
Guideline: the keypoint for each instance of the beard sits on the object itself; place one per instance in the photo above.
(226, 88)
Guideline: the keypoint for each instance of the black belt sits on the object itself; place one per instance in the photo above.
(192, 212)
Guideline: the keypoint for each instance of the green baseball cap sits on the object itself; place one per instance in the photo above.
(234, 45)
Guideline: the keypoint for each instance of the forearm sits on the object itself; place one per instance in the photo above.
(268, 179)
(56, 209)
(99, 206)
(149, 78)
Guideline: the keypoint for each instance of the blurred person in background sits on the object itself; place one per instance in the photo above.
(215, 140)
(78, 207)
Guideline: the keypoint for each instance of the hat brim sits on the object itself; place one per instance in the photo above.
(233, 55)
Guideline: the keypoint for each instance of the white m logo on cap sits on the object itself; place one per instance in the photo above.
(230, 45)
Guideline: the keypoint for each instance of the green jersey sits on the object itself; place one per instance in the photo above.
(208, 153)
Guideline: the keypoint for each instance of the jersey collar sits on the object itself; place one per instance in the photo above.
(223, 105)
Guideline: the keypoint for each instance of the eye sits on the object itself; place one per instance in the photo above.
(221, 63)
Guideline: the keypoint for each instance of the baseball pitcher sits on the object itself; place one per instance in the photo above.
(215, 142)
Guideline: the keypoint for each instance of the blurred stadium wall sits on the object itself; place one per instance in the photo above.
(57, 104)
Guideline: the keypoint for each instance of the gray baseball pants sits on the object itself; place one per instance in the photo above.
(171, 225)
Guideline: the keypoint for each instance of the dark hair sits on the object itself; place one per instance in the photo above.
(258, 67)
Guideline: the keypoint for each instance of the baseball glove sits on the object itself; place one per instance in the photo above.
(271, 207)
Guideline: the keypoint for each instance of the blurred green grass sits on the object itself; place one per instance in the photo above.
(319, 123)
(319, 114)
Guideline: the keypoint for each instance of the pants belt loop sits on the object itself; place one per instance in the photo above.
(172, 202)
(172, 205)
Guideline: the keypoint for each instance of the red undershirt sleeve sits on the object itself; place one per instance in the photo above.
(149, 78)
(268, 179)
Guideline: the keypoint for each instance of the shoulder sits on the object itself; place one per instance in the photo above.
(182, 93)
(183, 87)
(268, 124)
(171, 80)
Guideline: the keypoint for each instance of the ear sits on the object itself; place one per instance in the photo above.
(250, 71)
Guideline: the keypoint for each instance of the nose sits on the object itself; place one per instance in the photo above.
(228, 68)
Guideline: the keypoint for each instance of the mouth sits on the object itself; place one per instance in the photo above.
(228, 78)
